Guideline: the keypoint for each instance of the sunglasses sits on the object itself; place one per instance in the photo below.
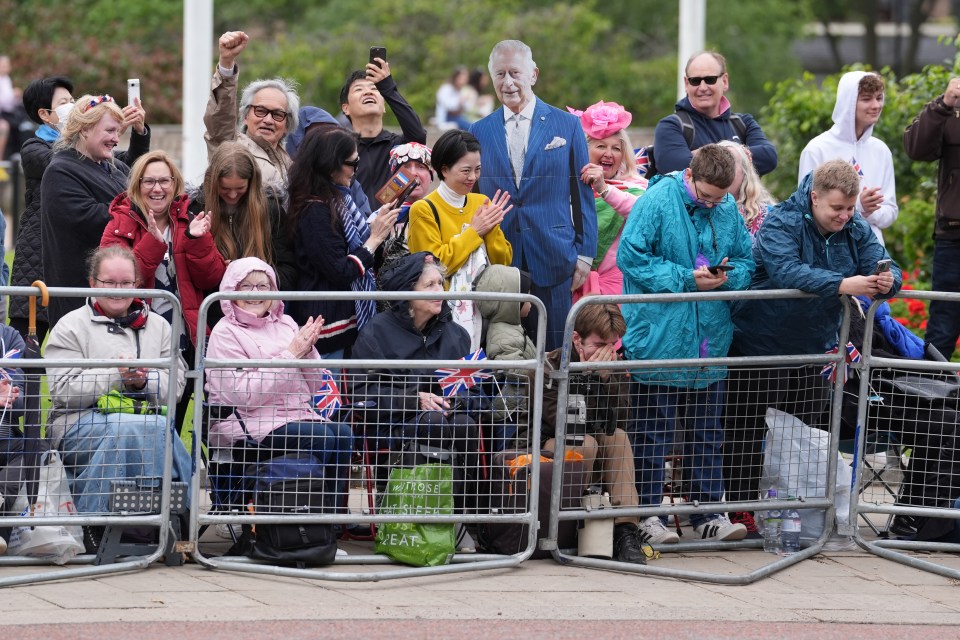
(352, 163)
(278, 115)
(696, 80)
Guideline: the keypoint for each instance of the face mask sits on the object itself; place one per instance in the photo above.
(63, 112)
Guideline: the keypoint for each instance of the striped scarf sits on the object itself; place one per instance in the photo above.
(356, 231)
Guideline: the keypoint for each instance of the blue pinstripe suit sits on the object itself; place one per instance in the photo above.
(540, 226)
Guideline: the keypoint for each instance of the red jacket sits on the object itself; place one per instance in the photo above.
(199, 265)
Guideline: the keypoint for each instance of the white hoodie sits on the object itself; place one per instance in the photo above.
(870, 156)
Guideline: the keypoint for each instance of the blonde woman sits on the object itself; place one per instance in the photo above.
(753, 199)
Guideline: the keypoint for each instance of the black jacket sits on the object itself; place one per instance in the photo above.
(75, 208)
(390, 335)
(35, 155)
(374, 168)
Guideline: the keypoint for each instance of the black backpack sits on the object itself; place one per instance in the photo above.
(292, 484)
(689, 131)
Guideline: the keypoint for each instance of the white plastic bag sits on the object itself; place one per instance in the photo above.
(795, 460)
(59, 544)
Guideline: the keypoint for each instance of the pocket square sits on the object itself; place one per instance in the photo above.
(556, 143)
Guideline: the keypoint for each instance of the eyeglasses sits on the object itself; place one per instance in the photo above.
(703, 200)
(150, 183)
(352, 163)
(278, 115)
(123, 284)
(260, 286)
(696, 80)
(95, 101)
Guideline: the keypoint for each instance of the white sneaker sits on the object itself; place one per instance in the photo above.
(465, 543)
(223, 531)
(341, 552)
(720, 528)
(652, 531)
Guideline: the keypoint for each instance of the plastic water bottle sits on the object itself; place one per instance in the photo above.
(772, 520)
(790, 530)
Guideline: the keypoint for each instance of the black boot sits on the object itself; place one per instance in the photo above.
(905, 526)
(626, 544)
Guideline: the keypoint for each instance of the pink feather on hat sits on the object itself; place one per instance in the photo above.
(603, 119)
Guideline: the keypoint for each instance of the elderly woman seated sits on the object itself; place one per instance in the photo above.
(273, 412)
(92, 419)
(410, 406)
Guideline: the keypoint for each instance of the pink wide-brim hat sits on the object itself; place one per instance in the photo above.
(603, 119)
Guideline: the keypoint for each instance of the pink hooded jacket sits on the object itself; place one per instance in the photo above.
(264, 399)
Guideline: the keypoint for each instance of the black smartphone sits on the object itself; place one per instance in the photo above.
(717, 268)
(406, 193)
(378, 52)
(882, 266)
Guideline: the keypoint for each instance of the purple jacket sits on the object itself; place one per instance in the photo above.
(264, 399)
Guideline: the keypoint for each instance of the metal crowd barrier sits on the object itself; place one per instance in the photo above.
(911, 407)
(483, 498)
(565, 508)
(141, 502)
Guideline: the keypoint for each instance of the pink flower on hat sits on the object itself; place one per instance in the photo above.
(603, 119)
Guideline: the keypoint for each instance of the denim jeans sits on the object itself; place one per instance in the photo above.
(101, 447)
(702, 443)
(330, 442)
(943, 327)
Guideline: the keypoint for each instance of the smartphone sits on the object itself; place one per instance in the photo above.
(882, 266)
(133, 90)
(717, 268)
(378, 52)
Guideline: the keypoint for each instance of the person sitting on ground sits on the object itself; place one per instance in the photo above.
(612, 172)
(82, 179)
(363, 100)
(100, 442)
(268, 111)
(273, 411)
(684, 235)
(753, 199)
(607, 398)
(410, 405)
(48, 102)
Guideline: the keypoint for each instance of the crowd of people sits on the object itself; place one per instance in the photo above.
(528, 198)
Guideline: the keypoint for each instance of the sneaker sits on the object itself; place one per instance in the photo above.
(224, 531)
(720, 528)
(626, 544)
(653, 531)
(746, 519)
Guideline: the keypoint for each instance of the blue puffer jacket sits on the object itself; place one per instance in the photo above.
(791, 253)
(658, 252)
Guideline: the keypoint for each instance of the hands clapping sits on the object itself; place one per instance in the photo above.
(306, 337)
(491, 213)
(200, 224)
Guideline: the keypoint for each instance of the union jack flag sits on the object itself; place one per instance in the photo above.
(829, 372)
(643, 162)
(453, 381)
(12, 354)
(326, 400)
(856, 166)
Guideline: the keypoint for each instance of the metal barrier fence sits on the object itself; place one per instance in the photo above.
(693, 417)
(389, 408)
(909, 409)
(117, 450)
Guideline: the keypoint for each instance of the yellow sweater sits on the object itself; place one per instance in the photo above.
(451, 245)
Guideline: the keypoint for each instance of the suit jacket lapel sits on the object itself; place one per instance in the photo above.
(539, 131)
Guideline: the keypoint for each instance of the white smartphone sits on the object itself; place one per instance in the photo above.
(133, 90)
